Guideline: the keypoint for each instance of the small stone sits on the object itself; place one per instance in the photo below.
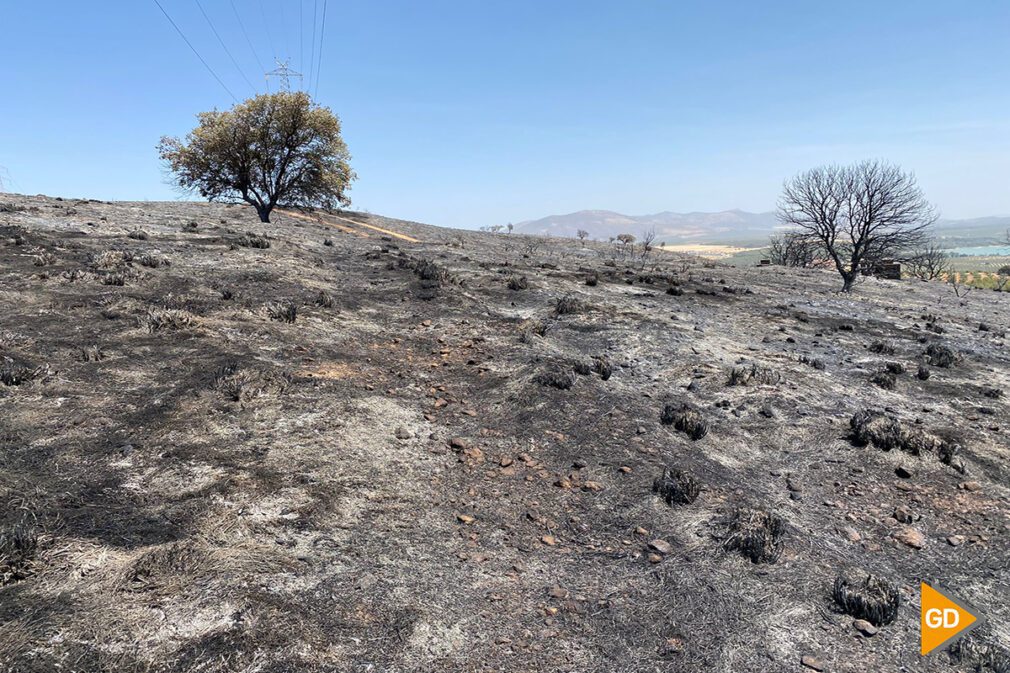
(903, 514)
(902, 472)
(865, 627)
(661, 546)
(970, 486)
(505, 461)
(592, 486)
(549, 540)
(672, 646)
(465, 518)
(557, 592)
(911, 537)
(624, 468)
(641, 531)
(812, 662)
(794, 486)
(851, 534)
(458, 443)
(655, 558)
(955, 540)
(403, 433)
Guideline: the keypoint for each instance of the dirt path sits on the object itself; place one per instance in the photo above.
(328, 220)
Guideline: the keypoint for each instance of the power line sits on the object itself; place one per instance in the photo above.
(248, 41)
(266, 25)
(186, 40)
(301, 34)
(312, 54)
(225, 47)
(319, 61)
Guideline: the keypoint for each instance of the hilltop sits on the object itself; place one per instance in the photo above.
(342, 442)
(731, 226)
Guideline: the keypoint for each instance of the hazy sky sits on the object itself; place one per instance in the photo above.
(469, 113)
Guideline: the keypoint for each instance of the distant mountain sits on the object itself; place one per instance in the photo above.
(728, 226)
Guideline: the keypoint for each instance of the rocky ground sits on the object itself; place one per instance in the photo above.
(363, 444)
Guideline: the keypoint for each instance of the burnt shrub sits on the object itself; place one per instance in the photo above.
(941, 356)
(981, 652)
(242, 385)
(92, 354)
(884, 379)
(282, 311)
(677, 487)
(568, 304)
(593, 279)
(530, 329)
(755, 533)
(887, 432)
(252, 241)
(556, 376)
(582, 367)
(603, 367)
(18, 544)
(686, 419)
(992, 393)
(869, 597)
(111, 259)
(881, 348)
(44, 258)
(152, 261)
(138, 235)
(816, 363)
(675, 291)
(167, 320)
(923, 373)
(114, 278)
(895, 368)
(13, 374)
(517, 283)
(742, 376)
(324, 299)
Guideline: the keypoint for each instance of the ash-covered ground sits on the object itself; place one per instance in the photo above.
(363, 444)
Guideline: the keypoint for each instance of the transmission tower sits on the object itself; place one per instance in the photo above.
(285, 74)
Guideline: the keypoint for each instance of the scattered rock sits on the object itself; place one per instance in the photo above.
(865, 627)
(661, 546)
(812, 662)
(911, 537)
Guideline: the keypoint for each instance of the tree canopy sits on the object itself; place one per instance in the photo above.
(278, 149)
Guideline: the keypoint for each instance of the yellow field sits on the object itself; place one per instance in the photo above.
(711, 251)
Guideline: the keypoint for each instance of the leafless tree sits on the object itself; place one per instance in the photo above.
(510, 227)
(794, 248)
(648, 237)
(859, 214)
(582, 235)
(929, 261)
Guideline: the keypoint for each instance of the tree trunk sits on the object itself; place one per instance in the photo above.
(848, 280)
(263, 212)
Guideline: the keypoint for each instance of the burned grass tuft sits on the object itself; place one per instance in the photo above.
(870, 597)
(676, 486)
(755, 533)
(685, 418)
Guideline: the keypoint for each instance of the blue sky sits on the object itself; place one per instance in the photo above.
(473, 113)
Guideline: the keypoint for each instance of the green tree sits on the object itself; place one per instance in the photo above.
(277, 149)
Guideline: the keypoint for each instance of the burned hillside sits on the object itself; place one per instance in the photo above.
(341, 442)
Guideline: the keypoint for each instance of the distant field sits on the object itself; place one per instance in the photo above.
(709, 250)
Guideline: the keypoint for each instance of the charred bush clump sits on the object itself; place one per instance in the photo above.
(167, 319)
(887, 432)
(884, 379)
(872, 598)
(44, 258)
(881, 348)
(556, 376)
(756, 534)
(518, 283)
(923, 373)
(532, 328)
(603, 367)
(677, 487)
(593, 279)
(242, 385)
(742, 376)
(895, 368)
(18, 543)
(252, 241)
(112, 259)
(686, 419)
(941, 356)
(153, 261)
(981, 652)
(324, 299)
(283, 311)
(568, 304)
(92, 354)
(12, 374)
(138, 235)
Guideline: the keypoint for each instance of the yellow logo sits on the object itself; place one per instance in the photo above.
(942, 620)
